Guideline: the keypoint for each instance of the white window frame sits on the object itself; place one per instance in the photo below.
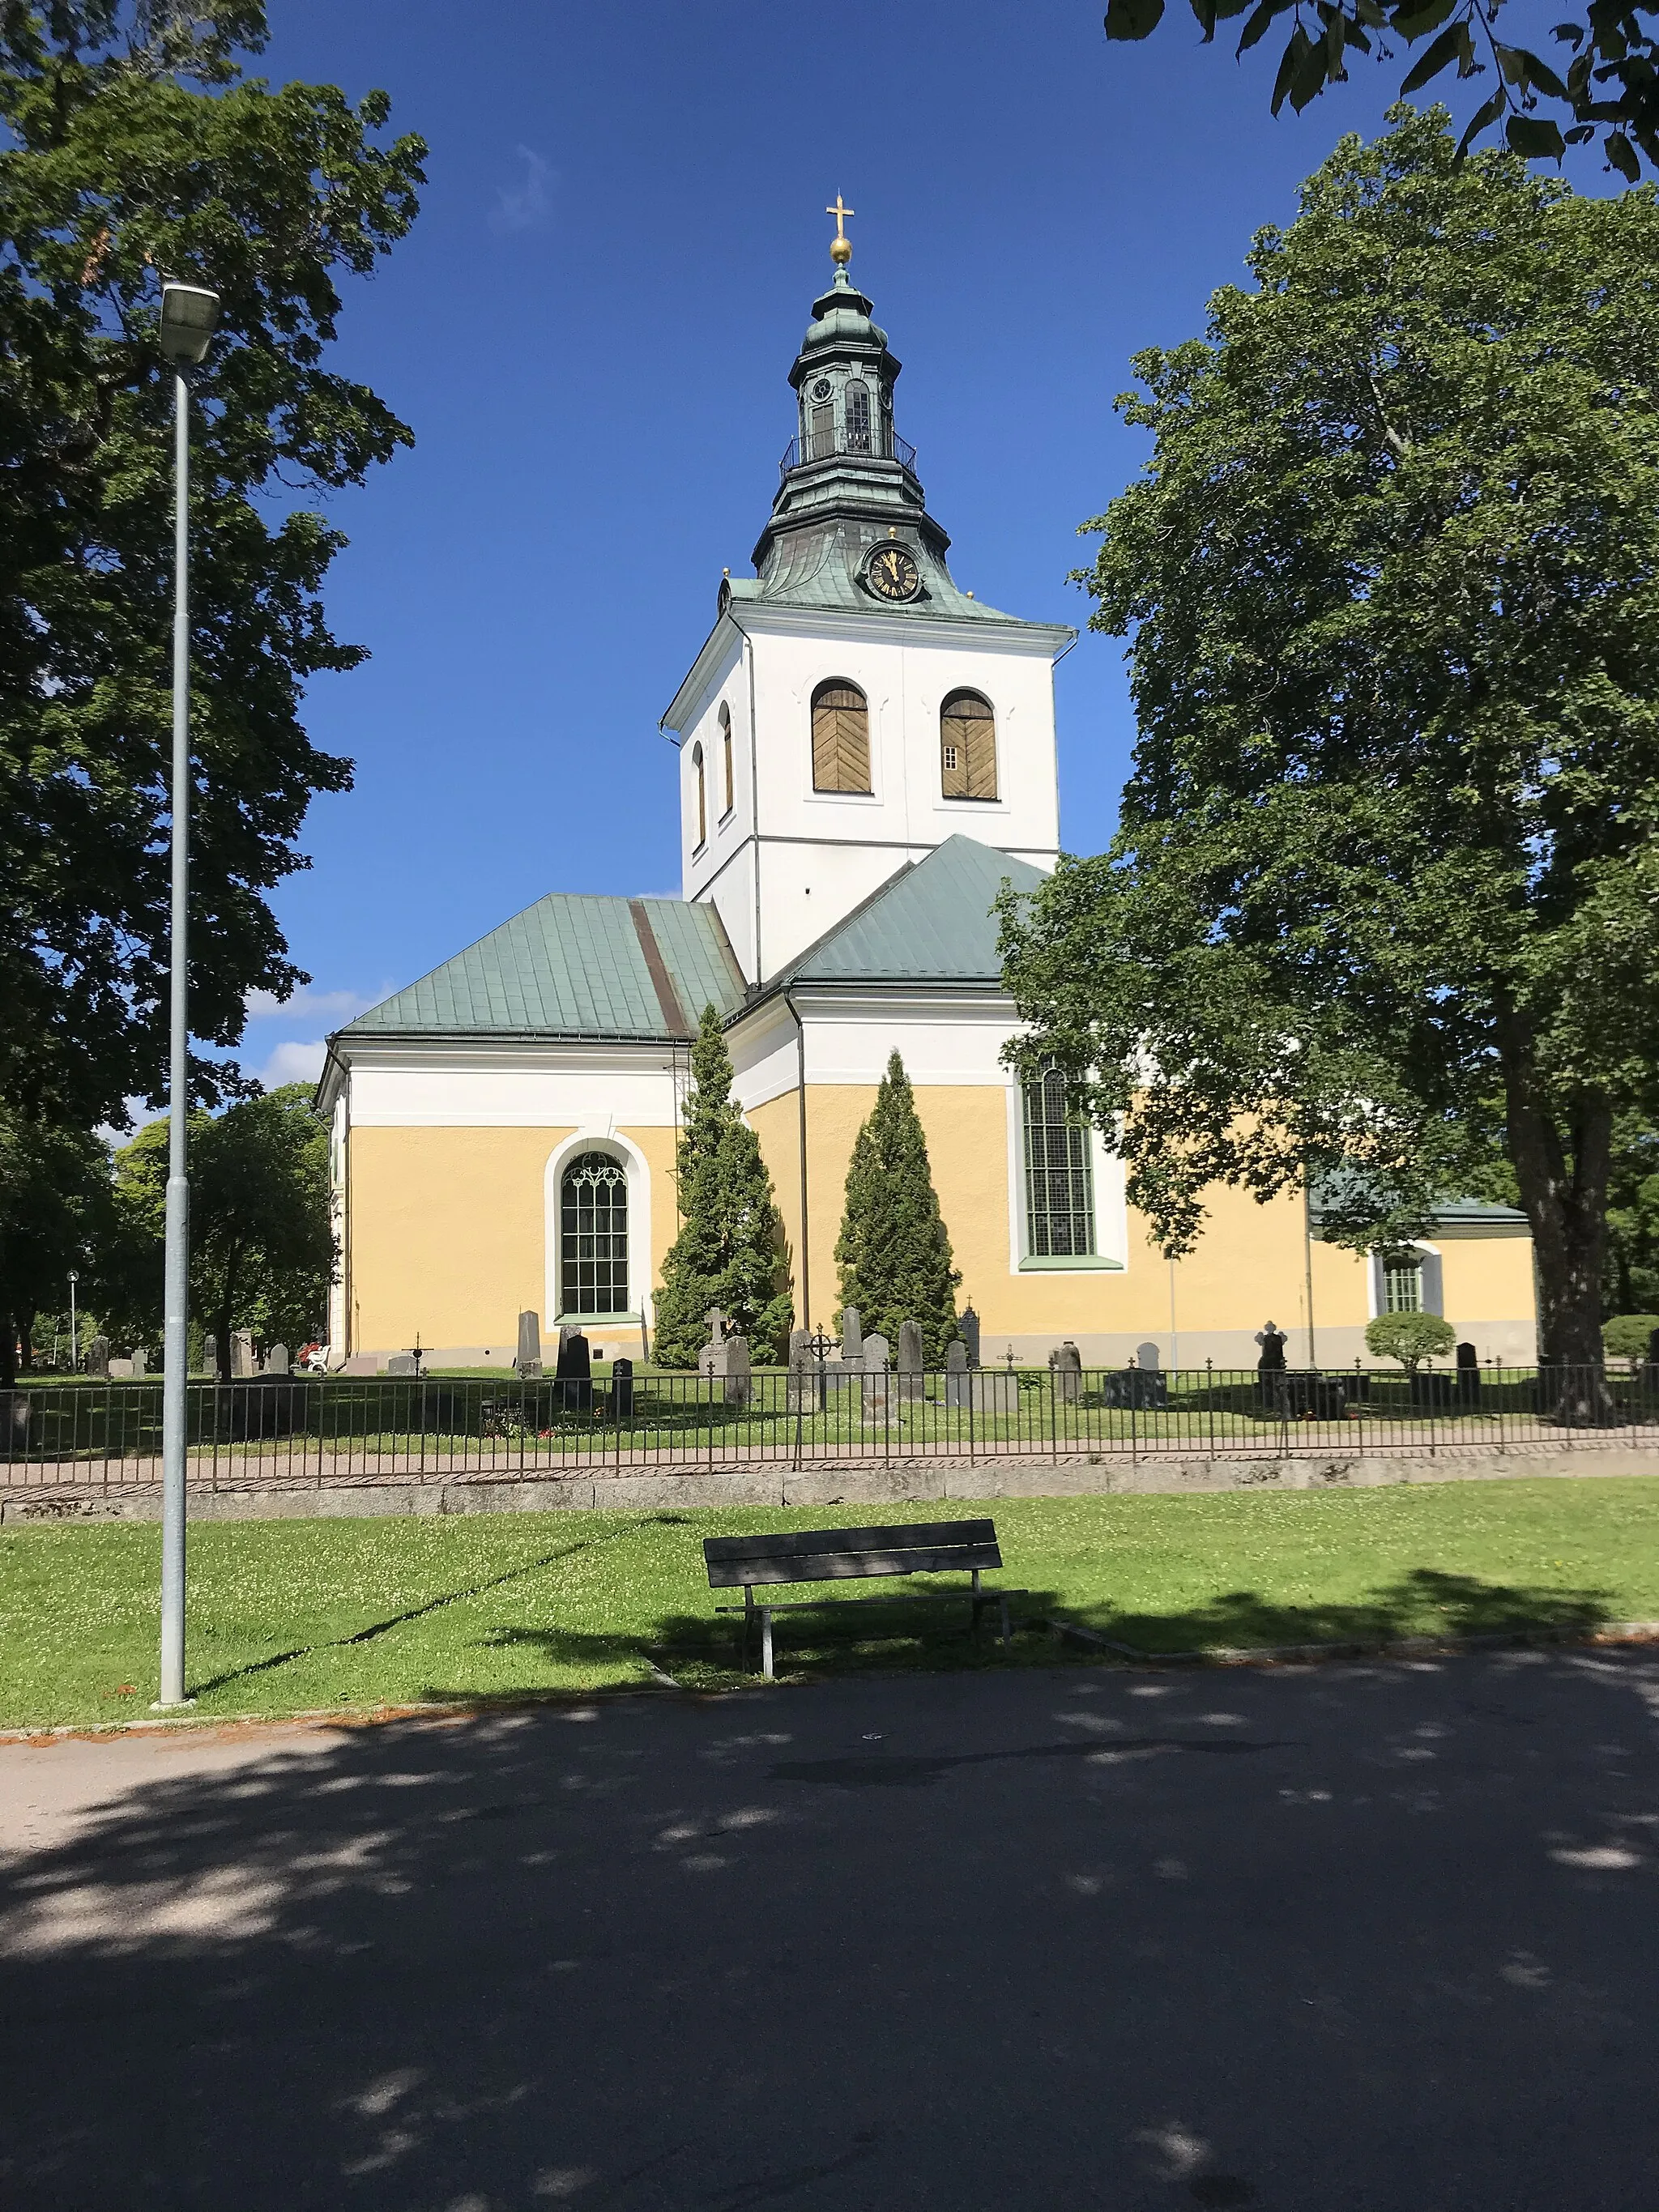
(600, 1137)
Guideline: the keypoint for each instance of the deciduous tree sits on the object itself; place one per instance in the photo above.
(1386, 889)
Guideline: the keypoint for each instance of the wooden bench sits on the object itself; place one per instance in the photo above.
(832, 1555)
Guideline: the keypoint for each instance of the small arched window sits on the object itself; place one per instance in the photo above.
(967, 747)
(858, 418)
(840, 738)
(725, 756)
(593, 1236)
(703, 793)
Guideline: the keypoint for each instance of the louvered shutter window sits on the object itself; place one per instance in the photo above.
(967, 747)
(841, 739)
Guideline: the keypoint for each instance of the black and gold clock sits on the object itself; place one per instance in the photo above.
(891, 572)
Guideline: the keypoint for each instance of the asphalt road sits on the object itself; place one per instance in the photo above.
(1378, 1937)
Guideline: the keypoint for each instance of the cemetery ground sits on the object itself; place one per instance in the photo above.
(1369, 1936)
(300, 1616)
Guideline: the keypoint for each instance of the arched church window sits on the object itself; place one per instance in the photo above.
(703, 793)
(821, 433)
(840, 738)
(1059, 1184)
(726, 755)
(858, 418)
(967, 747)
(593, 1236)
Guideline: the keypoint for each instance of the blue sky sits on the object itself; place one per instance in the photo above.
(589, 331)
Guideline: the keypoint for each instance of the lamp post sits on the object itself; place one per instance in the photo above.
(75, 1336)
(189, 316)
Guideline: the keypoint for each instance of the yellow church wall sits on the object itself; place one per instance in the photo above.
(446, 1232)
(776, 1124)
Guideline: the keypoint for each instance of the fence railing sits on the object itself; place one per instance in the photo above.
(337, 1428)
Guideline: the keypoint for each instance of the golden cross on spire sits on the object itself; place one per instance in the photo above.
(841, 246)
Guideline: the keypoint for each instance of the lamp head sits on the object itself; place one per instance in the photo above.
(189, 315)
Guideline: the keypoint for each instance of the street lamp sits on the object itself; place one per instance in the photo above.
(189, 315)
(75, 1341)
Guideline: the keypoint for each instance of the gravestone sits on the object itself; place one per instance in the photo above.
(622, 1388)
(955, 1373)
(969, 1324)
(98, 1357)
(1272, 1341)
(737, 1383)
(1068, 1363)
(910, 1384)
(1149, 1357)
(529, 1360)
(276, 1359)
(994, 1390)
(574, 1372)
(360, 1363)
(211, 1354)
(711, 1360)
(401, 1363)
(120, 1369)
(806, 1376)
(140, 1364)
(1468, 1375)
(877, 1353)
(852, 1337)
(241, 1355)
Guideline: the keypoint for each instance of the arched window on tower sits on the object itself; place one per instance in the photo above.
(840, 738)
(967, 747)
(858, 418)
(731, 782)
(703, 793)
(593, 1236)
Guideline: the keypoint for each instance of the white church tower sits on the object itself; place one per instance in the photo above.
(851, 708)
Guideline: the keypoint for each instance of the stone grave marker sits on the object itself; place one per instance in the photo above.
(1068, 1363)
(98, 1357)
(140, 1363)
(574, 1372)
(877, 1353)
(622, 1388)
(737, 1382)
(1149, 1357)
(852, 1337)
(211, 1354)
(806, 1380)
(276, 1359)
(403, 1363)
(910, 1383)
(711, 1360)
(955, 1373)
(969, 1324)
(120, 1368)
(242, 1364)
(529, 1360)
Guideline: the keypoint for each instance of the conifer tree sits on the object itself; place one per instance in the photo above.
(730, 1250)
(894, 1250)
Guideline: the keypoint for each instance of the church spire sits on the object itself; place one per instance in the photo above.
(848, 479)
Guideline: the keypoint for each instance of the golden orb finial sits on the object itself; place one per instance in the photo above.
(841, 246)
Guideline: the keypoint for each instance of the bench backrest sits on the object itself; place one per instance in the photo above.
(823, 1555)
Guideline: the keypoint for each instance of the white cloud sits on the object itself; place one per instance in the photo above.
(296, 1062)
(306, 1006)
(527, 204)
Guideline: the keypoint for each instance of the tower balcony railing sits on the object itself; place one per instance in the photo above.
(828, 445)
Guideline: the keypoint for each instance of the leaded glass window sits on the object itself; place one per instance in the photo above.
(1059, 1184)
(593, 1236)
(858, 418)
(1402, 1284)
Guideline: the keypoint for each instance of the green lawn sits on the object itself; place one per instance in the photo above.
(289, 1616)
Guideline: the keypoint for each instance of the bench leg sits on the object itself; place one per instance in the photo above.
(1006, 1637)
(766, 1642)
(748, 1623)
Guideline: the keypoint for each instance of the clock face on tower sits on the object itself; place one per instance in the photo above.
(891, 573)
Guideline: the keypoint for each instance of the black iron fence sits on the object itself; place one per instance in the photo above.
(334, 1429)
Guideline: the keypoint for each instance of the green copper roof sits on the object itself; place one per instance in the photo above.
(573, 966)
(931, 923)
(1449, 1212)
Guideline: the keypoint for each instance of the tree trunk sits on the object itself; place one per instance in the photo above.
(25, 1338)
(1566, 1208)
(7, 1351)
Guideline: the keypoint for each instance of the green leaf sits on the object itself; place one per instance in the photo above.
(1261, 23)
(1622, 154)
(1535, 139)
(1319, 66)
(1446, 48)
(1291, 63)
(1412, 23)
(1205, 11)
(1133, 19)
(1482, 120)
(1572, 33)
(1524, 70)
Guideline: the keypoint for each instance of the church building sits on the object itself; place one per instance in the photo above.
(866, 754)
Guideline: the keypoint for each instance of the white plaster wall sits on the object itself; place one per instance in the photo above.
(508, 1087)
(823, 852)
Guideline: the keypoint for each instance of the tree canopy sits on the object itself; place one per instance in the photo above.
(1385, 892)
(894, 1250)
(1603, 80)
(54, 1209)
(262, 1245)
(730, 1250)
(134, 149)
